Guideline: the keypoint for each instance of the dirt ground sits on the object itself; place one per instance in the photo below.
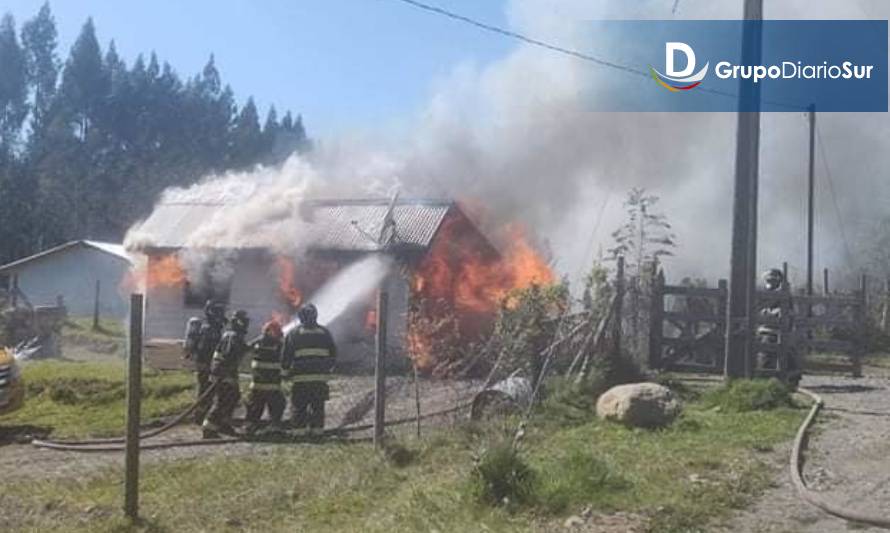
(848, 460)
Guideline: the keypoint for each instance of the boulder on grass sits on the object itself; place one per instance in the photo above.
(646, 405)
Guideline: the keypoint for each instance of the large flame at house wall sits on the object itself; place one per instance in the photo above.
(163, 271)
(462, 282)
(287, 281)
(462, 269)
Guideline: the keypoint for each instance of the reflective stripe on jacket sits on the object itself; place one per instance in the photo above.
(310, 353)
(266, 364)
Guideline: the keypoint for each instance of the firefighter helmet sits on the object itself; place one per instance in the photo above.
(215, 310)
(272, 328)
(308, 315)
(240, 321)
(773, 279)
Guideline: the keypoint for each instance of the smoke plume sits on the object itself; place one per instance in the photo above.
(515, 137)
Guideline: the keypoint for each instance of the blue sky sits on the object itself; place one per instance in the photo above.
(343, 64)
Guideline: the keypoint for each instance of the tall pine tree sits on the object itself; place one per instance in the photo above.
(39, 39)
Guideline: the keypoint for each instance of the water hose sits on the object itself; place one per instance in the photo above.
(814, 498)
(147, 435)
(117, 444)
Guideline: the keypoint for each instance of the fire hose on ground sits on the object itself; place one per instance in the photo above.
(814, 498)
(117, 444)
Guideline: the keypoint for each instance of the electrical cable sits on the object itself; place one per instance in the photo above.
(568, 51)
(837, 208)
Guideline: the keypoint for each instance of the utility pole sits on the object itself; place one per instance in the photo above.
(811, 195)
(743, 263)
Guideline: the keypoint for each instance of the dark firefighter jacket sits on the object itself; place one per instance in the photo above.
(310, 353)
(208, 339)
(227, 356)
(266, 365)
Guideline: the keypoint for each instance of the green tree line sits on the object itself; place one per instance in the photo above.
(87, 144)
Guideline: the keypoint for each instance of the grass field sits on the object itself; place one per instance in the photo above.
(681, 478)
(82, 399)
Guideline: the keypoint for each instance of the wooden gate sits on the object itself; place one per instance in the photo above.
(688, 329)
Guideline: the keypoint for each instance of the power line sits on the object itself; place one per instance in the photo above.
(837, 209)
(514, 35)
(568, 51)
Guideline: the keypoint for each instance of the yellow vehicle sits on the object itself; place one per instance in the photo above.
(12, 388)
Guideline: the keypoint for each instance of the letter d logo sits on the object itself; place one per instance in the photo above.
(670, 52)
(673, 77)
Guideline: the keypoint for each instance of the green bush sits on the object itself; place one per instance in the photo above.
(501, 477)
(749, 395)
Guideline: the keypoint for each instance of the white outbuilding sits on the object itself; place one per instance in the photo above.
(75, 272)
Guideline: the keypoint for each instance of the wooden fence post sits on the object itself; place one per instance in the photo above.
(380, 367)
(134, 388)
(885, 311)
(722, 302)
(96, 306)
(861, 318)
(656, 320)
(619, 303)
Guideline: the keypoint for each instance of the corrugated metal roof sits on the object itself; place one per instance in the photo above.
(106, 247)
(336, 225)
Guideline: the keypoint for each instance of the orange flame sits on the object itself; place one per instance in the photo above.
(371, 320)
(156, 272)
(286, 281)
(458, 269)
(165, 271)
(464, 275)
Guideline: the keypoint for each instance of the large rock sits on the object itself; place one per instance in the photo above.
(647, 405)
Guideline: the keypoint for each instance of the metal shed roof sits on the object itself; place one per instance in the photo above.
(335, 225)
(116, 250)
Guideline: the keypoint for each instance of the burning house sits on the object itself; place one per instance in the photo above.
(438, 263)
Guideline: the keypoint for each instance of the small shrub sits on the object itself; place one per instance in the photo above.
(749, 395)
(501, 477)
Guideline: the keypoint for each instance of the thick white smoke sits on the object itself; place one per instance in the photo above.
(515, 137)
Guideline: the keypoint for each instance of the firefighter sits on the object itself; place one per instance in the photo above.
(309, 356)
(201, 339)
(224, 376)
(781, 312)
(265, 385)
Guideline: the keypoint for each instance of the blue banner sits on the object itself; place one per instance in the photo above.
(700, 65)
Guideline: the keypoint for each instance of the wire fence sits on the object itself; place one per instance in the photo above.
(535, 344)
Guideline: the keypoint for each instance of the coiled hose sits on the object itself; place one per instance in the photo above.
(814, 498)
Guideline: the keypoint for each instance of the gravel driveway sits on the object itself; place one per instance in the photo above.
(848, 460)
